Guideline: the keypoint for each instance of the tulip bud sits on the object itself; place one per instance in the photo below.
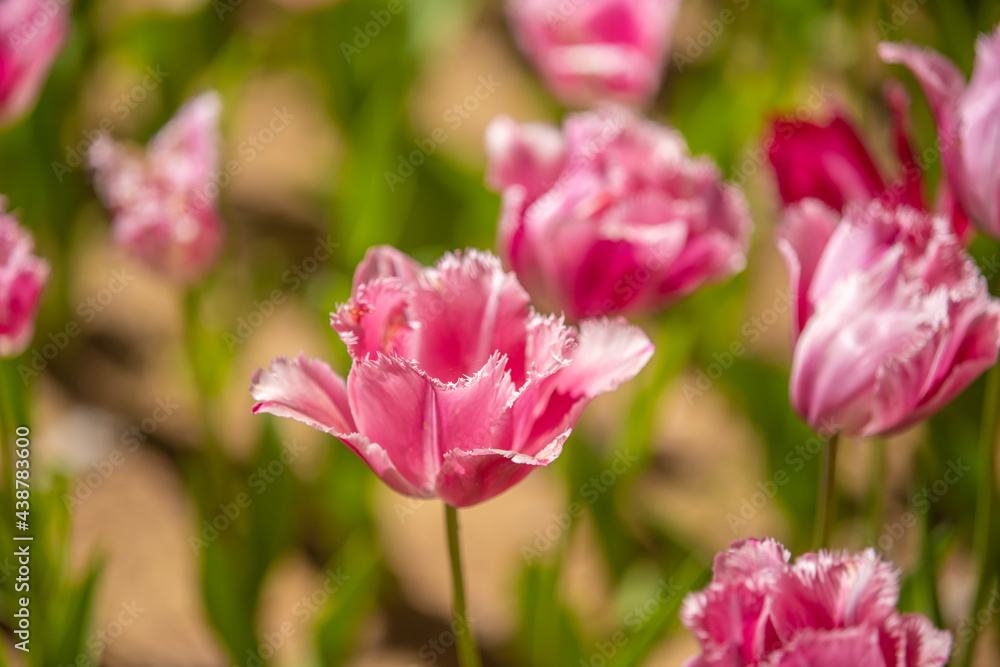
(599, 50)
(164, 202)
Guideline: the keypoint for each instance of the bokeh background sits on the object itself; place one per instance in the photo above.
(142, 432)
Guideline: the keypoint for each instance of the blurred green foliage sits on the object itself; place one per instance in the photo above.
(761, 65)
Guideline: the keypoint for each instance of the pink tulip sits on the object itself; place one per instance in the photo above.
(457, 389)
(968, 121)
(598, 50)
(32, 33)
(22, 278)
(830, 162)
(612, 215)
(892, 319)
(164, 203)
(827, 610)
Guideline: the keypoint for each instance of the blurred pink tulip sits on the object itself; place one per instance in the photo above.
(968, 120)
(22, 278)
(829, 609)
(164, 203)
(892, 319)
(458, 389)
(612, 215)
(830, 162)
(32, 33)
(597, 50)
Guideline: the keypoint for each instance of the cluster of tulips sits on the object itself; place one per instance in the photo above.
(459, 387)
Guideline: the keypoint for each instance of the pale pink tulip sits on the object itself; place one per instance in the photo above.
(612, 215)
(164, 203)
(892, 318)
(827, 610)
(968, 120)
(32, 33)
(22, 278)
(596, 50)
(457, 389)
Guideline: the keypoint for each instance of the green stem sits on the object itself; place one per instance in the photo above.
(6, 424)
(468, 654)
(878, 484)
(924, 474)
(984, 542)
(827, 493)
(13, 413)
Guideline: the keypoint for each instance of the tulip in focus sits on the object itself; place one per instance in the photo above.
(598, 50)
(892, 318)
(968, 122)
(457, 389)
(164, 202)
(612, 215)
(828, 609)
(22, 278)
(32, 33)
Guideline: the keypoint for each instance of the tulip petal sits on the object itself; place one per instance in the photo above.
(750, 558)
(608, 353)
(979, 110)
(942, 82)
(468, 477)
(374, 320)
(394, 405)
(805, 230)
(729, 621)
(529, 155)
(22, 278)
(309, 391)
(827, 162)
(186, 149)
(32, 33)
(924, 645)
(856, 647)
(468, 309)
(386, 262)
(835, 590)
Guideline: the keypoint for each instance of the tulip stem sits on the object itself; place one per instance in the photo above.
(878, 484)
(468, 654)
(984, 542)
(827, 492)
